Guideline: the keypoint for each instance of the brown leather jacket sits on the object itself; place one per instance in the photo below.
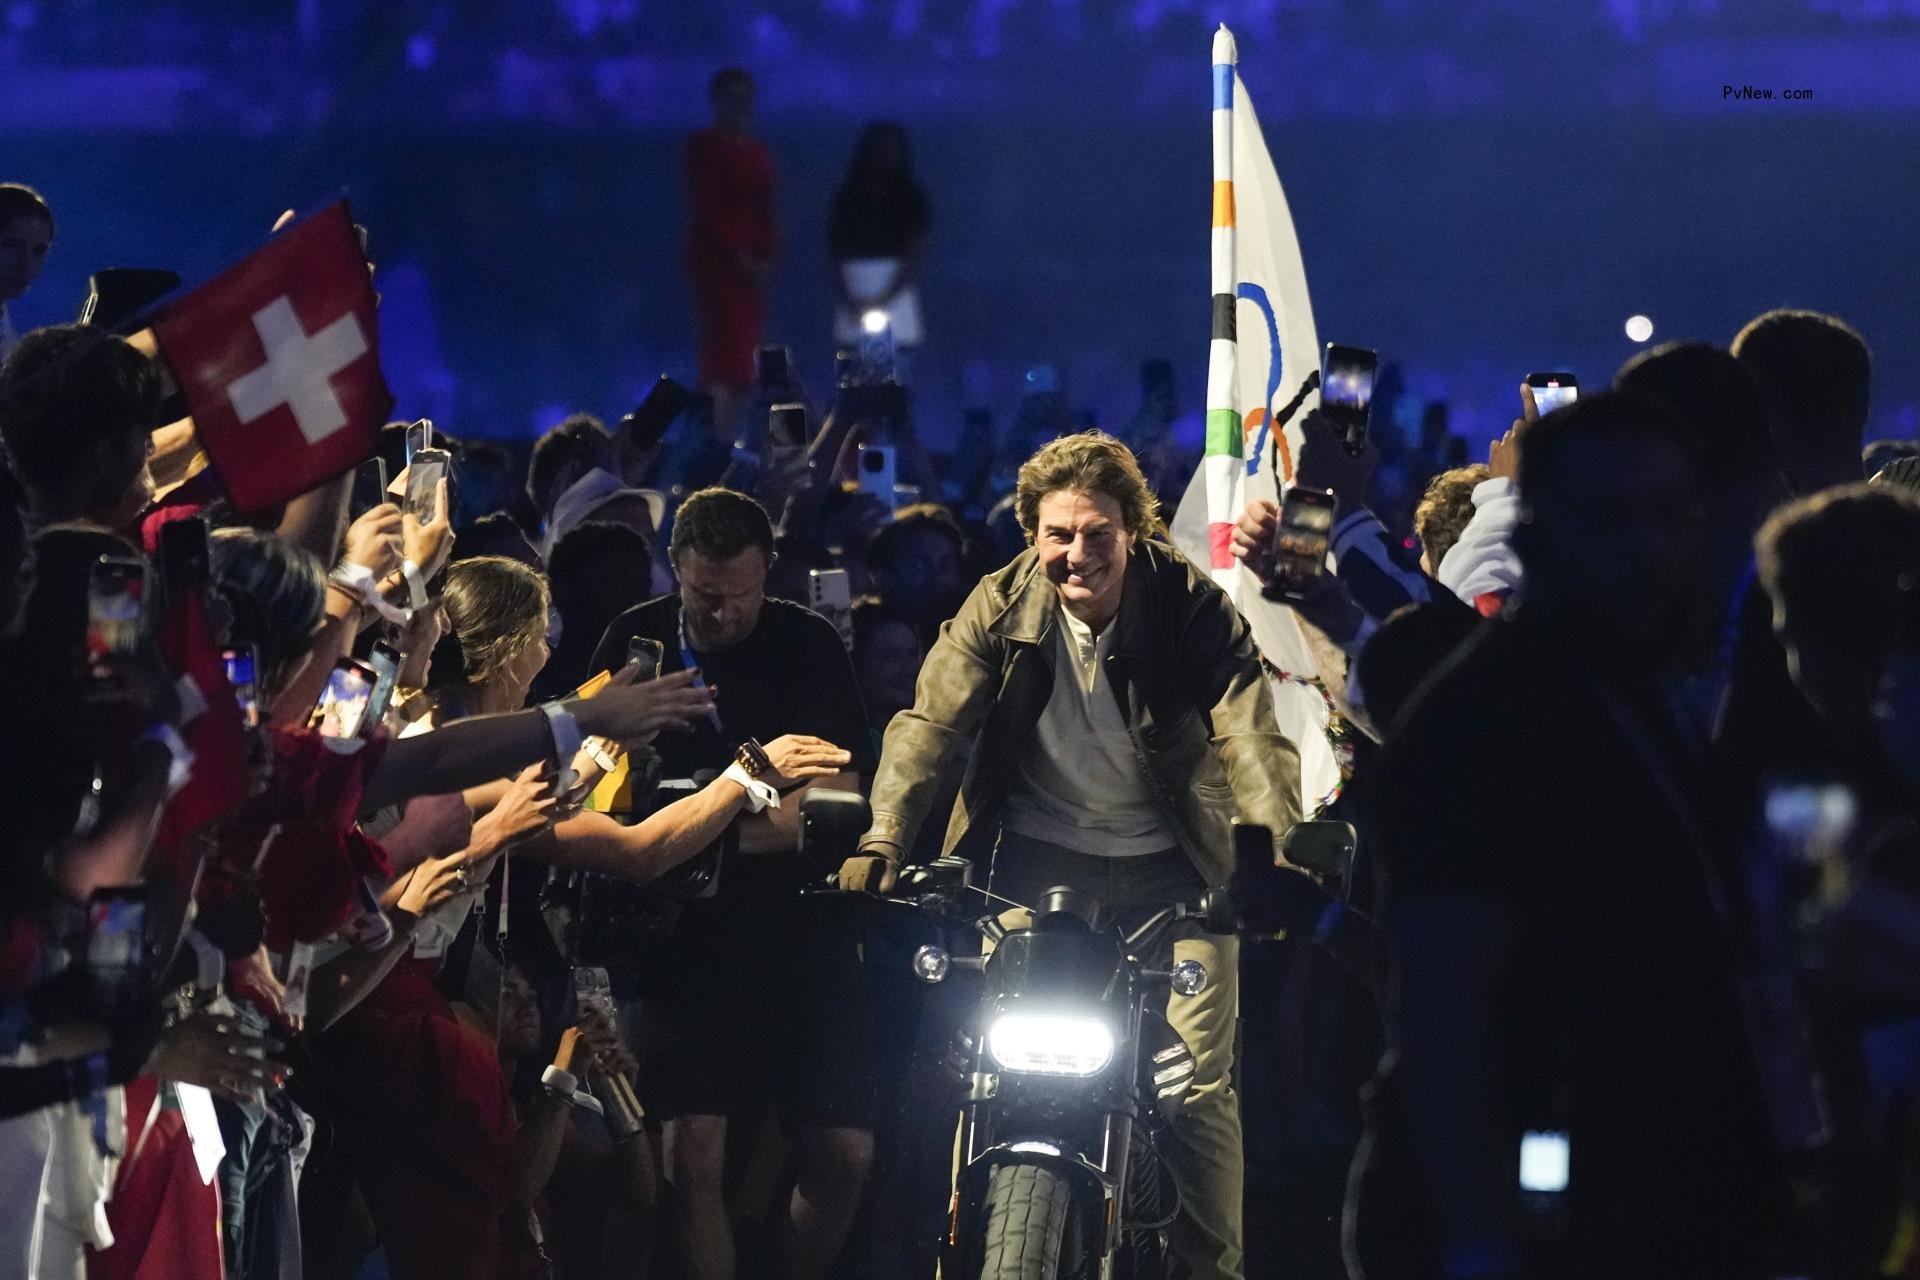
(1183, 666)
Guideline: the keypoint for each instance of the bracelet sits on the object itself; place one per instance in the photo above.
(416, 585)
(357, 580)
(562, 1084)
(1327, 921)
(760, 796)
(753, 758)
(600, 756)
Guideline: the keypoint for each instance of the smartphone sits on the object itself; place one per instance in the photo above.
(643, 428)
(240, 674)
(385, 661)
(341, 711)
(1346, 391)
(1545, 1162)
(419, 438)
(877, 465)
(830, 594)
(118, 296)
(1301, 541)
(787, 425)
(116, 596)
(772, 367)
(1553, 391)
(117, 950)
(424, 473)
(182, 551)
(369, 487)
(646, 655)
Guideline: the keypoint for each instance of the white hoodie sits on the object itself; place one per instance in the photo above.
(1482, 565)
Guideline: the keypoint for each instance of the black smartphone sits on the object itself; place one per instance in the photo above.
(118, 955)
(116, 606)
(1301, 541)
(772, 367)
(385, 661)
(1553, 391)
(341, 711)
(182, 552)
(642, 429)
(118, 297)
(645, 655)
(424, 474)
(240, 674)
(1346, 391)
(369, 487)
(787, 425)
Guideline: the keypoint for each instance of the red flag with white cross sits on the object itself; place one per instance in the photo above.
(279, 360)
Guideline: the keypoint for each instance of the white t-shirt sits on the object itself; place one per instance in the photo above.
(1080, 783)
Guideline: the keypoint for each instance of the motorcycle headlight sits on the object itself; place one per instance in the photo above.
(1050, 1044)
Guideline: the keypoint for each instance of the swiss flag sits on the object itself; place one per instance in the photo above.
(279, 360)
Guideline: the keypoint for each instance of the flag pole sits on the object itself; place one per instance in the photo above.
(1224, 447)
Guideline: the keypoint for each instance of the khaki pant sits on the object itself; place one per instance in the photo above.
(1204, 1149)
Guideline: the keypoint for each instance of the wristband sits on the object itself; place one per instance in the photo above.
(1327, 921)
(180, 759)
(357, 580)
(566, 742)
(211, 962)
(416, 585)
(760, 796)
(562, 1084)
(600, 756)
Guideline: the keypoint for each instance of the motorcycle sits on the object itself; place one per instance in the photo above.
(1073, 1075)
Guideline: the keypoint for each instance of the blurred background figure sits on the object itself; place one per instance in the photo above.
(733, 240)
(877, 235)
(26, 235)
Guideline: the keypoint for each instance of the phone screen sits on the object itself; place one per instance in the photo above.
(240, 674)
(424, 474)
(787, 425)
(1346, 391)
(1544, 1161)
(342, 709)
(385, 661)
(1553, 391)
(116, 591)
(646, 655)
(117, 943)
(1300, 543)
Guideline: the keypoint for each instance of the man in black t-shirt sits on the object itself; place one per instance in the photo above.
(757, 999)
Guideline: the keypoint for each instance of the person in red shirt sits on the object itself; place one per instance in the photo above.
(731, 247)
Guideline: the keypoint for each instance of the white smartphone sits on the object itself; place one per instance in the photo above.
(1545, 1158)
(877, 468)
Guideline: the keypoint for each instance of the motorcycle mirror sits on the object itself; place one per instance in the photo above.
(1324, 848)
(831, 824)
(1216, 911)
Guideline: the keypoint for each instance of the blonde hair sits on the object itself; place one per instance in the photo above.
(497, 609)
(1090, 462)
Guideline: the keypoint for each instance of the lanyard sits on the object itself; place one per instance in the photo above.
(688, 662)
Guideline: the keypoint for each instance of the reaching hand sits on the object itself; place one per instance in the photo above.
(1270, 900)
(608, 1053)
(1253, 537)
(215, 1052)
(1328, 605)
(436, 882)
(669, 702)
(373, 540)
(524, 809)
(1503, 455)
(253, 980)
(428, 543)
(1326, 464)
(797, 757)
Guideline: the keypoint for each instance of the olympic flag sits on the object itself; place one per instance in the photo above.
(1259, 295)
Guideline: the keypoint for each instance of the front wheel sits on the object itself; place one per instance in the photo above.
(1026, 1223)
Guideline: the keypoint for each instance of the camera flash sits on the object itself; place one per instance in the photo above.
(874, 321)
(1639, 328)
